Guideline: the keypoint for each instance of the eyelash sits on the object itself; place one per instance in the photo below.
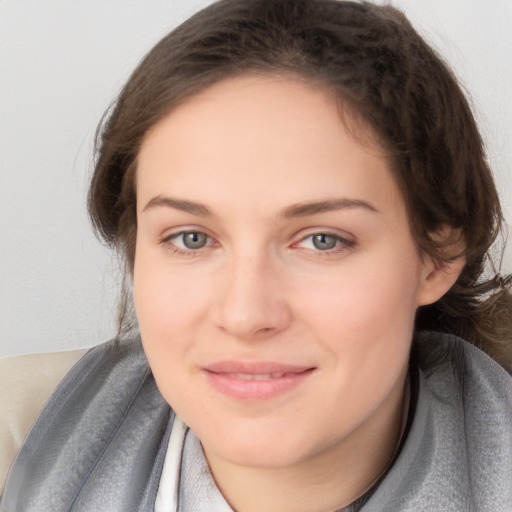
(168, 244)
(343, 244)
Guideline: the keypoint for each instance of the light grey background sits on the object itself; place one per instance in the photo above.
(62, 62)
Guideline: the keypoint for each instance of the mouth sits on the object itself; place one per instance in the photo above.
(260, 376)
(255, 381)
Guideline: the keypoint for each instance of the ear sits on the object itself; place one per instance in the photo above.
(441, 274)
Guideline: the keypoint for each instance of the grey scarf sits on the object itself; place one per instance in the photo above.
(100, 442)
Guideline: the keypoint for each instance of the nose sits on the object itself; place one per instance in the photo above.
(252, 304)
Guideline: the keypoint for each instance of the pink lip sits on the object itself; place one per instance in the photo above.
(255, 380)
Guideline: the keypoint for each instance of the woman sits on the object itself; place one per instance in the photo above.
(301, 197)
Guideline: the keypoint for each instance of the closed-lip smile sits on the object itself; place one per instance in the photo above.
(255, 380)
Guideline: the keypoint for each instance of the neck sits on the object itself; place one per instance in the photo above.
(324, 482)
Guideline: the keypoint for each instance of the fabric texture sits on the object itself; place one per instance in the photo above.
(198, 492)
(101, 441)
(26, 383)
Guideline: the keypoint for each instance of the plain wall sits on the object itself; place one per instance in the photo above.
(62, 62)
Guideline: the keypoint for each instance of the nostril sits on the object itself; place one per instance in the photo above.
(264, 330)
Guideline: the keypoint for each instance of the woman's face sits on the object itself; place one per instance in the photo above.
(275, 278)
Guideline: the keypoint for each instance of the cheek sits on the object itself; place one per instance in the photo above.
(170, 310)
(356, 294)
(166, 301)
(365, 314)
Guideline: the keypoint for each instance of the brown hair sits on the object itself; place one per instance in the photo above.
(380, 68)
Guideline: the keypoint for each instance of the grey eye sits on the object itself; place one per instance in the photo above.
(324, 242)
(194, 240)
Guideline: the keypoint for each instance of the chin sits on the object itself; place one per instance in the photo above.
(258, 448)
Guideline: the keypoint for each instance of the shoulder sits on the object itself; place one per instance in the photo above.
(26, 382)
(451, 360)
(458, 451)
(470, 404)
(106, 414)
(465, 383)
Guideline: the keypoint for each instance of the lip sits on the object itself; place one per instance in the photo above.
(255, 380)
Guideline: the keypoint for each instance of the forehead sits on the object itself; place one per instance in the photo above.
(267, 135)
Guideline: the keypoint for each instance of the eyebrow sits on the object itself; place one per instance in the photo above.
(292, 211)
(178, 204)
(315, 207)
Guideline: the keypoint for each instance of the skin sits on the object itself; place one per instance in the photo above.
(242, 163)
